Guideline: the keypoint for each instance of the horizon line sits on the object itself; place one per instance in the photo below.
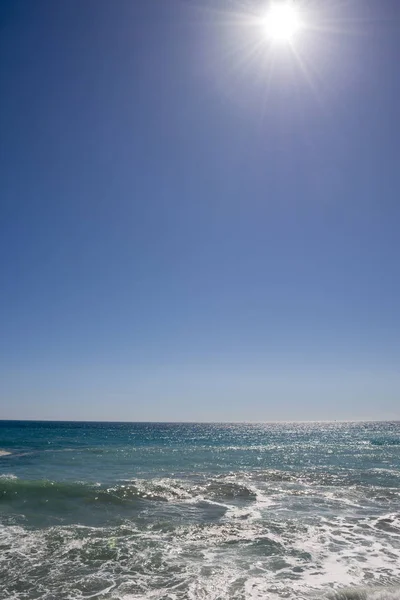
(190, 422)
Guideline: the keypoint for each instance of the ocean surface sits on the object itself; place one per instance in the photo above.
(199, 511)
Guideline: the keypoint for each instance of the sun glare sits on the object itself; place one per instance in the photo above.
(282, 22)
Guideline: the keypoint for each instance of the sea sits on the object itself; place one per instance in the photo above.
(174, 511)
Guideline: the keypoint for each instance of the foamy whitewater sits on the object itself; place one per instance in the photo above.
(195, 511)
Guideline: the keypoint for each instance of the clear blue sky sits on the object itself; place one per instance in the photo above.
(195, 226)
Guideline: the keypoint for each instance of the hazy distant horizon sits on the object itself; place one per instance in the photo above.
(44, 420)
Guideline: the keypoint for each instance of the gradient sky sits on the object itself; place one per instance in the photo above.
(195, 225)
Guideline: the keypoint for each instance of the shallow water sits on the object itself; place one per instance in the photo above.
(176, 511)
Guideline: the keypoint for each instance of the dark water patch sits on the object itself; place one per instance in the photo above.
(46, 491)
(229, 490)
(365, 593)
(265, 546)
(385, 441)
(389, 523)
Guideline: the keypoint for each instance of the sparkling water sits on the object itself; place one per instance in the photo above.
(199, 511)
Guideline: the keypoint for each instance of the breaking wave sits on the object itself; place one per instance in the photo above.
(14, 490)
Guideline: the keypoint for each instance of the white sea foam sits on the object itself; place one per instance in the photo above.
(232, 559)
(267, 537)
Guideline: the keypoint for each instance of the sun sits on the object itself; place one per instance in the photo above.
(282, 21)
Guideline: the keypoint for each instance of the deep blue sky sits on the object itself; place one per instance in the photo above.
(194, 225)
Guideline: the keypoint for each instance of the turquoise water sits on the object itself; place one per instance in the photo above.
(196, 511)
